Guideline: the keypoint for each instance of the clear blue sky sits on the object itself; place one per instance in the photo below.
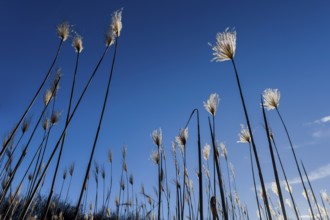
(163, 71)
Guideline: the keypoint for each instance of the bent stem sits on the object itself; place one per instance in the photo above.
(200, 174)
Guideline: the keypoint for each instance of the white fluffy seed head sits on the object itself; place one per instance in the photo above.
(271, 98)
(212, 103)
(225, 46)
(77, 43)
(63, 30)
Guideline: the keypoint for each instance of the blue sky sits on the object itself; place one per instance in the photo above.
(163, 71)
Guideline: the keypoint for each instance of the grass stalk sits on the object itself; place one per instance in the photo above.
(252, 141)
(297, 165)
(325, 209)
(277, 179)
(254, 181)
(200, 174)
(63, 140)
(99, 127)
(222, 193)
(310, 186)
(285, 177)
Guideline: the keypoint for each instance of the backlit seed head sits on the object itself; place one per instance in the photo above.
(225, 46)
(63, 30)
(157, 137)
(77, 43)
(271, 98)
(212, 104)
(116, 24)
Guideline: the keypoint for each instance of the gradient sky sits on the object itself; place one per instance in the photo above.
(163, 71)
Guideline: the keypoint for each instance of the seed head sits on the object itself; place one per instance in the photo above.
(287, 187)
(64, 174)
(48, 96)
(63, 30)
(55, 117)
(225, 46)
(244, 136)
(108, 213)
(287, 201)
(122, 185)
(232, 169)
(206, 151)
(117, 201)
(45, 124)
(103, 172)
(30, 177)
(181, 139)
(97, 168)
(110, 156)
(304, 194)
(124, 166)
(77, 43)
(224, 150)
(26, 124)
(116, 24)
(55, 83)
(71, 169)
(157, 137)
(131, 179)
(271, 98)
(109, 38)
(325, 196)
(155, 157)
(274, 188)
(212, 103)
(207, 172)
(124, 152)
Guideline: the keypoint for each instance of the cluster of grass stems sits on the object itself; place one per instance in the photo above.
(219, 199)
